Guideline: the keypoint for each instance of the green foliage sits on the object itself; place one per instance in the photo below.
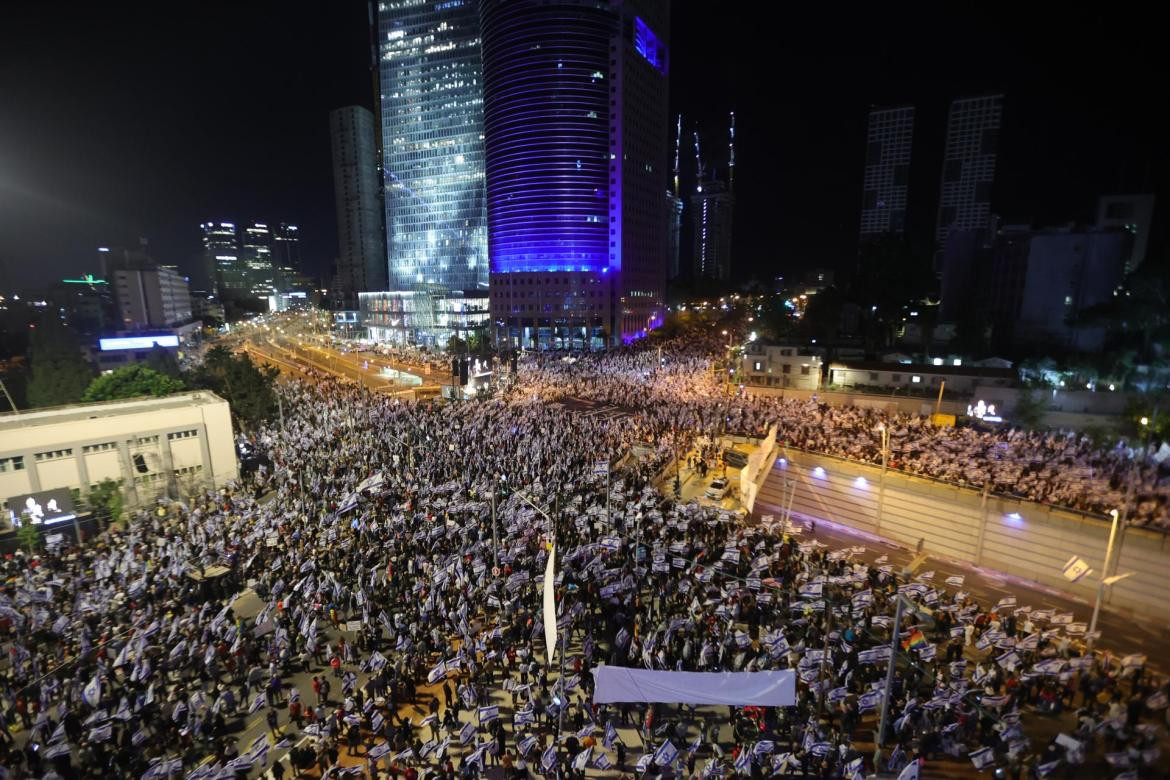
(247, 388)
(164, 361)
(29, 536)
(1030, 408)
(890, 275)
(58, 372)
(822, 316)
(131, 382)
(106, 500)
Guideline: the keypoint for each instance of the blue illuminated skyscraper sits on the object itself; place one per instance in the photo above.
(432, 140)
(577, 144)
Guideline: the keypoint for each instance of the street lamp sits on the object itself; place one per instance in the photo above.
(1106, 580)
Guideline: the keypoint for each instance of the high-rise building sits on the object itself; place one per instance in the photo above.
(221, 258)
(969, 159)
(433, 144)
(888, 140)
(148, 295)
(577, 144)
(361, 238)
(1132, 213)
(256, 254)
(674, 210)
(1040, 278)
(712, 210)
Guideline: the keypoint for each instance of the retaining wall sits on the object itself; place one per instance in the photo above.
(1018, 537)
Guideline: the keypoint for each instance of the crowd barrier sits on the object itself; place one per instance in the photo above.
(1014, 536)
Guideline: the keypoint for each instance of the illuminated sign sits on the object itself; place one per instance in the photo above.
(983, 411)
(45, 508)
(138, 342)
(647, 44)
(87, 279)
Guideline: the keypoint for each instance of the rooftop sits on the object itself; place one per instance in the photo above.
(74, 412)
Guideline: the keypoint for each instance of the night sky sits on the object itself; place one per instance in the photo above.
(117, 123)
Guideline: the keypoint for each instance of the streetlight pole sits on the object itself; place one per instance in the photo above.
(877, 525)
(1105, 568)
(888, 692)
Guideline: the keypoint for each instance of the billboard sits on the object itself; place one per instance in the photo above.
(47, 507)
(138, 342)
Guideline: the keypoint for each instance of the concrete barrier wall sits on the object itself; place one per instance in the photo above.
(1022, 538)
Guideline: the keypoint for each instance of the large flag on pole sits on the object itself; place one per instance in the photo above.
(550, 603)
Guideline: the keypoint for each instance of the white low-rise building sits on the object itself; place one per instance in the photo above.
(156, 446)
(780, 365)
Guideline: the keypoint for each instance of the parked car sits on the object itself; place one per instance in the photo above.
(717, 489)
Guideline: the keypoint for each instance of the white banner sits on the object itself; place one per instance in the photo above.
(737, 689)
(550, 604)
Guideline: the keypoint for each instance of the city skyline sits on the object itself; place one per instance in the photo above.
(63, 193)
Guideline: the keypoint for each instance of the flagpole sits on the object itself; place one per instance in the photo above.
(890, 673)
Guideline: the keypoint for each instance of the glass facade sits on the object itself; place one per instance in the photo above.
(432, 140)
(422, 318)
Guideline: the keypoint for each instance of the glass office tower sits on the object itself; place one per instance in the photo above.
(432, 141)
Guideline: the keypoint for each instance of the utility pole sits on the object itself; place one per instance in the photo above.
(495, 538)
(888, 692)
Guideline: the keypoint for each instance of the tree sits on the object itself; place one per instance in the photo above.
(164, 361)
(58, 372)
(249, 390)
(890, 275)
(106, 500)
(132, 381)
(1030, 408)
(28, 535)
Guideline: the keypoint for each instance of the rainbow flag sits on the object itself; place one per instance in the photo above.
(915, 641)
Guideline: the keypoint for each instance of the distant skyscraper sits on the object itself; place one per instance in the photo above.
(256, 253)
(887, 171)
(221, 259)
(712, 210)
(577, 144)
(674, 210)
(361, 239)
(969, 165)
(432, 141)
(1133, 213)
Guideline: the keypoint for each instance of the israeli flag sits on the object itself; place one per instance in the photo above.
(524, 746)
(549, 759)
(602, 762)
(92, 693)
(257, 704)
(378, 751)
(611, 735)
(665, 754)
(487, 714)
(982, 758)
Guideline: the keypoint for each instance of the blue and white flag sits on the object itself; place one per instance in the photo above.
(743, 762)
(60, 749)
(467, 733)
(549, 759)
(101, 733)
(581, 760)
(665, 754)
(602, 762)
(487, 714)
(257, 704)
(611, 735)
(982, 758)
(524, 746)
(378, 751)
(92, 693)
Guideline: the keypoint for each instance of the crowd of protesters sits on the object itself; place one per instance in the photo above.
(394, 554)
